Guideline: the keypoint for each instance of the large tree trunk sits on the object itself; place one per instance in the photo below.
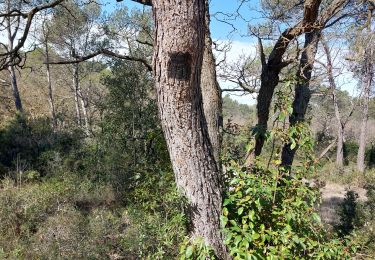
(302, 91)
(50, 90)
(211, 93)
(177, 62)
(367, 81)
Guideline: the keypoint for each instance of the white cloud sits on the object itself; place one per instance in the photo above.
(233, 53)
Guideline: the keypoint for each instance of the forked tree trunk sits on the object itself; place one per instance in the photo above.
(340, 124)
(211, 93)
(302, 91)
(272, 68)
(177, 62)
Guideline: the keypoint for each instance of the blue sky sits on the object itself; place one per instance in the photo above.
(219, 30)
(222, 30)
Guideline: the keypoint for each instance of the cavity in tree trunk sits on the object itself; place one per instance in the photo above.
(211, 93)
(177, 62)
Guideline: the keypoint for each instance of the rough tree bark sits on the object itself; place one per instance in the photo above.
(302, 91)
(211, 93)
(177, 62)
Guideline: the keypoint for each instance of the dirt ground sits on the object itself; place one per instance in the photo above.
(332, 195)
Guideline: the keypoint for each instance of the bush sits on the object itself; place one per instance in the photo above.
(349, 214)
(270, 215)
(29, 144)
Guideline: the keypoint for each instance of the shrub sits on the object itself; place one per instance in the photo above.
(269, 215)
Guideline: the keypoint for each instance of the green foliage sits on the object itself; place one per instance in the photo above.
(26, 143)
(348, 213)
(350, 152)
(237, 119)
(364, 232)
(269, 211)
(157, 217)
(196, 249)
(75, 217)
(269, 215)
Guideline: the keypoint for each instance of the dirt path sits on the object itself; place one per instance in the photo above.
(332, 195)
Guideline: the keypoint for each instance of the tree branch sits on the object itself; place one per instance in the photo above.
(105, 52)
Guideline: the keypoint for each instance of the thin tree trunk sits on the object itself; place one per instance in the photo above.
(367, 81)
(340, 124)
(325, 151)
(50, 89)
(11, 69)
(177, 62)
(15, 92)
(211, 93)
(340, 147)
(302, 91)
(76, 93)
(84, 106)
(271, 68)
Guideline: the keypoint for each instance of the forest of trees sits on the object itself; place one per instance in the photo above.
(122, 137)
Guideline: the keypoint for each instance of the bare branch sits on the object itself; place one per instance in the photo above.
(105, 52)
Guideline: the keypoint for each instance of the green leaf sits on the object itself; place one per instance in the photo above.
(240, 210)
(255, 236)
(226, 202)
(189, 252)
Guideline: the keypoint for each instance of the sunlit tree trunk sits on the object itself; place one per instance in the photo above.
(76, 94)
(177, 63)
(11, 68)
(340, 124)
(50, 89)
(84, 106)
